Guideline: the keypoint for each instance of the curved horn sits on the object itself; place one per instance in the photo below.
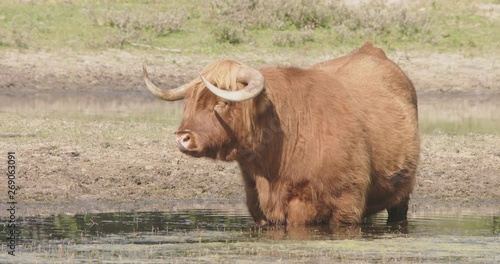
(252, 77)
(167, 95)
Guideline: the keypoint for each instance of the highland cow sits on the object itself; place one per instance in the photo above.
(331, 143)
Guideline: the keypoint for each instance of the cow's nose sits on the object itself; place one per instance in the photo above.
(184, 140)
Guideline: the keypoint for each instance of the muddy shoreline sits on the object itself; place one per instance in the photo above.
(121, 70)
(418, 206)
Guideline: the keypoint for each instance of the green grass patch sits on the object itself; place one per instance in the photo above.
(220, 26)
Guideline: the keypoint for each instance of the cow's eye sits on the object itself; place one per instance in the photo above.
(221, 104)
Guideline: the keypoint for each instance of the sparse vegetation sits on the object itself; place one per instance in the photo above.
(287, 39)
(16, 37)
(131, 26)
(276, 14)
(369, 20)
(233, 34)
(209, 27)
(386, 23)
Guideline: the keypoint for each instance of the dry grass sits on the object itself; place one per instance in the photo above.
(382, 20)
(273, 14)
(233, 34)
(347, 22)
(127, 26)
(287, 39)
(18, 36)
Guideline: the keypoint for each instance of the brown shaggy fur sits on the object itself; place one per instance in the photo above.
(328, 144)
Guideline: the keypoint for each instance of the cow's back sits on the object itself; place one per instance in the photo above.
(369, 60)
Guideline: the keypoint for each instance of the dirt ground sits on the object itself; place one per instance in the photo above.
(57, 173)
(121, 70)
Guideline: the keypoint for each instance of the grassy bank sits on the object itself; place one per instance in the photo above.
(221, 27)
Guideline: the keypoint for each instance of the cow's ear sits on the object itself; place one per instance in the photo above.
(261, 103)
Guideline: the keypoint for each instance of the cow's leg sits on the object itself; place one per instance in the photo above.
(272, 200)
(253, 200)
(398, 212)
(300, 212)
(349, 208)
(347, 215)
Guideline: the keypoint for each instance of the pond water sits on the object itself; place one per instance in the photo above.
(459, 113)
(447, 113)
(207, 236)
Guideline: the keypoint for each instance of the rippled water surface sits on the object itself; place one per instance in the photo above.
(206, 236)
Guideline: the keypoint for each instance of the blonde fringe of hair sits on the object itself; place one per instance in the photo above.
(223, 74)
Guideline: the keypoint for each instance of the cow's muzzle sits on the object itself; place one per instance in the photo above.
(184, 139)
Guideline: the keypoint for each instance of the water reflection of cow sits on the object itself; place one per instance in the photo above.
(331, 143)
(368, 230)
